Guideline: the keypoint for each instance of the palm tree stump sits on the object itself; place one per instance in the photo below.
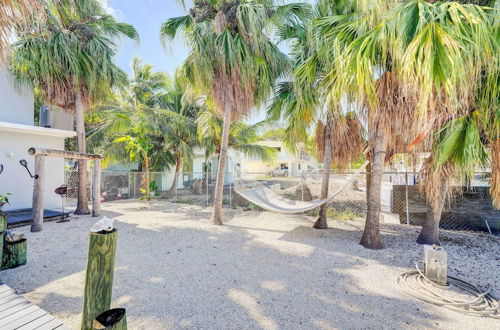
(99, 276)
(112, 319)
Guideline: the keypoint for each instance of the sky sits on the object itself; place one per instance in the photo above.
(147, 16)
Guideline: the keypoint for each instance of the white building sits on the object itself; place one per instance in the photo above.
(286, 163)
(18, 133)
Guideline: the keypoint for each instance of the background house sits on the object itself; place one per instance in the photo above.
(286, 163)
(18, 132)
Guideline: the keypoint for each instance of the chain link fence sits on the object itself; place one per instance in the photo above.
(400, 197)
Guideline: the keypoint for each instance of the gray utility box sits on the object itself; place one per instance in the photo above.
(436, 264)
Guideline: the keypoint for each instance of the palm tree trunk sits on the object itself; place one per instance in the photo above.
(82, 206)
(217, 213)
(371, 234)
(430, 230)
(321, 222)
(172, 191)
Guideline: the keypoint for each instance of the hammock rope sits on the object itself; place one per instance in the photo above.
(267, 199)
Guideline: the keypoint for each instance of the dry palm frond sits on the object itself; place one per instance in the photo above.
(495, 173)
(230, 91)
(435, 179)
(347, 140)
(12, 14)
(320, 140)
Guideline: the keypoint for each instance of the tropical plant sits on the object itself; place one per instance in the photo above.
(298, 102)
(69, 55)
(410, 66)
(179, 109)
(4, 199)
(232, 60)
(139, 146)
(242, 137)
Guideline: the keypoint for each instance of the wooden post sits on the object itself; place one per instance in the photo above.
(3, 229)
(38, 192)
(96, 189)
(15, 254)
(112, 319)
(99, 276)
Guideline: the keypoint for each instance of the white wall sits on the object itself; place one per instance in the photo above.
(15, 178)
(16, 106)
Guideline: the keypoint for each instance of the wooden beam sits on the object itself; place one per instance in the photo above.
(96, 189)
(38, 192)
(61, 154)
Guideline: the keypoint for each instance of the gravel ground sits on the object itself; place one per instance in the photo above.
(261, 270)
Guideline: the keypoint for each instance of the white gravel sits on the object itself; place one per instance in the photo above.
(261, 270)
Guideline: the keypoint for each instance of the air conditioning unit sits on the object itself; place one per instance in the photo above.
(52, 118)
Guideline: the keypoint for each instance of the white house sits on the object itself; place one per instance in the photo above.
(18, 133)
(286, 163)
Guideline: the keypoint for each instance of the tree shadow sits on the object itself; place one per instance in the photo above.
(181, 273)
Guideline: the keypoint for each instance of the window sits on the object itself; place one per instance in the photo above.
(299, 167)
(283, 166)
(278, 149)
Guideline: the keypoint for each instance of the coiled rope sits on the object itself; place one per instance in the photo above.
(418, 285)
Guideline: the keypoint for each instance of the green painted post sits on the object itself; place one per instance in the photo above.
(112, 319)
(3, 229)
(14, 254)
(99, 276)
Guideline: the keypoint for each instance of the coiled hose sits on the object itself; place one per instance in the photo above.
(418, 285)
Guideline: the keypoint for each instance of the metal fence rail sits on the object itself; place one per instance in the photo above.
(400, 194)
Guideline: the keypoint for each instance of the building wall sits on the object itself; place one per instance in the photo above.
(16, 180)
(16, 104)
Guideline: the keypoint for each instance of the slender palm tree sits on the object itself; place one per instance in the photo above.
(298, 101)
(405, 65)
(69, 56)
(232, 60)
(179, 107)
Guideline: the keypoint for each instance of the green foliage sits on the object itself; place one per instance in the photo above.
(242, 137)
(4, 198)
(230, 46)
(70, 52)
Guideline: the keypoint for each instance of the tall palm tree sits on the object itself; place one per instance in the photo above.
(179, 110)
(69, 55)
(405, 65)
(298, 101)
(232, 60)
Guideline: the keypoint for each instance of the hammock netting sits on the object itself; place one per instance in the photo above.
(267, 199)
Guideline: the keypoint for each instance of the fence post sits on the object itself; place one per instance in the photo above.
(406, 199)
(230, 192)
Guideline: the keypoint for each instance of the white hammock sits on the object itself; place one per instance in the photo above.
(269, 200)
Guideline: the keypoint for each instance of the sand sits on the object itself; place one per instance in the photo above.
(174, 270)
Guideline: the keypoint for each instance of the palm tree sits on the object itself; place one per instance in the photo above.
(298, 101)
(179, 111)
(406, 65)
(70, 56)
(459, 149)
(232, 60)
(242, 137)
